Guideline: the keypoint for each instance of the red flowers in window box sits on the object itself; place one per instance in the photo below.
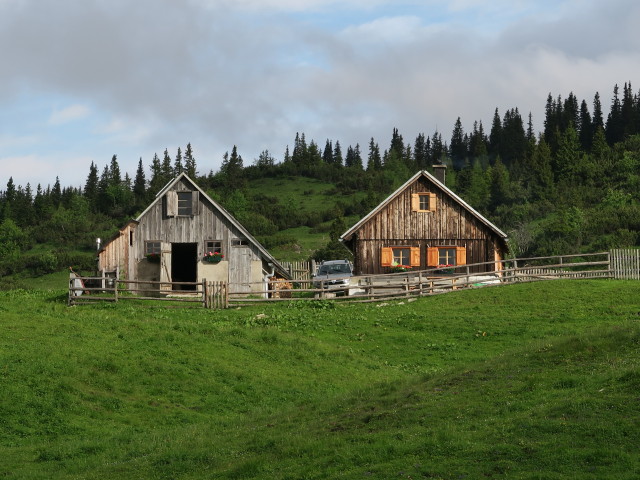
(213, 257)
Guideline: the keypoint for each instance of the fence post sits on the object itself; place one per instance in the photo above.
(204, 293)
(115, 285)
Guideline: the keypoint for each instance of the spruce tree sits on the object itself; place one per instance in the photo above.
(167, 169)
(114, 171)
(140, 185)
(598, 119)
(374, 161)
(585, 127)
(178, 168)
(190, 162)
(495, 136)
(337, 155)
(420, 154)
(614, 128)
(327, 154)
(458, 147)
(91, 187)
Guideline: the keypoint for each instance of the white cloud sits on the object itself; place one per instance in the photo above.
(68, 114)
(218, 73)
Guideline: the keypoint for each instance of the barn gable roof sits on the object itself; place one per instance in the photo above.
(202, 195)
(423, 173)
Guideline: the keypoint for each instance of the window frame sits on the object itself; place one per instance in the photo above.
(185, 204)
(387, 256)
(152, 247)
(433, 255)
(239, 242)
(212, 249)
(423, 199)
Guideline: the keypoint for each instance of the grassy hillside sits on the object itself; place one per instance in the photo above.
(525, 381)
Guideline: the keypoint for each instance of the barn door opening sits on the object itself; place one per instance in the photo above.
(184, 264)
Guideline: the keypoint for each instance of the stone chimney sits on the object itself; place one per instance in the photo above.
(440, 172)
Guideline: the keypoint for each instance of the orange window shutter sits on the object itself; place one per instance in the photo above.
(415, 202)
(432, 257)
(415, 256)
(461, 256)
(386, 257)
(432, 202)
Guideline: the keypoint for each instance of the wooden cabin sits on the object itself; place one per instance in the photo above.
(175, 238)
(423, 225)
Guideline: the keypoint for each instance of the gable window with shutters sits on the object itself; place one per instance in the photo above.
(423, 202)
(182, 204)
(396, 256)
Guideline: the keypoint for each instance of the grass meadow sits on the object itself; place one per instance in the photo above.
(528, 381)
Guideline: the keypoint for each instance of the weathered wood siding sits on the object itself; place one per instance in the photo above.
(397, 225)
(116, 252)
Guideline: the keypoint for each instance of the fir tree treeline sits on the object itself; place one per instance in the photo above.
(573, 186)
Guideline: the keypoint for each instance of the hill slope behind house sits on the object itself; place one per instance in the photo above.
(524, 381)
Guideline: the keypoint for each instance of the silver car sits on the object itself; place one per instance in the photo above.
(333, 274)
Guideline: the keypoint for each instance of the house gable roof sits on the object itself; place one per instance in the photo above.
(423, 173)
(183, 176)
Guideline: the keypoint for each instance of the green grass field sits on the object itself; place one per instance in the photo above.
(530, 381)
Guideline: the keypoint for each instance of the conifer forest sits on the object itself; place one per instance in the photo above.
(572, 187)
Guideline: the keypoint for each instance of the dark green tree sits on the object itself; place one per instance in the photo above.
(178, 167)
(190, 162)
(140, 186)
(458, 147)
(327, 154)
(374, 161)
(337, 155)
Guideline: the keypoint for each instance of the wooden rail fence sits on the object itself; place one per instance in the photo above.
(626, 263)
(370, 288)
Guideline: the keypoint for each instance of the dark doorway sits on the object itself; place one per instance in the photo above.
(184, 264)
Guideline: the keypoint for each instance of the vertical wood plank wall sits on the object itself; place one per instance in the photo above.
(398, 225)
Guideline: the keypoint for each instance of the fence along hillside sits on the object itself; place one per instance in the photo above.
(620, 264)
(625, 264)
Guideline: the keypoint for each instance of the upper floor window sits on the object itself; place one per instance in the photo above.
(423, 202)
(239, 242)
(182, 203)
(185, 203)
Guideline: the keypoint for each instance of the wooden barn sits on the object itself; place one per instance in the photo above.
(185, 236)
(424, 225)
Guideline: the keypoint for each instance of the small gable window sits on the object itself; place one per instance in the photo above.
(184, 203)
(423, 202)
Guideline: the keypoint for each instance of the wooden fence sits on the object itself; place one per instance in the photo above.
(369, 288)
(626, 263)
(83, 290)
(300, 270)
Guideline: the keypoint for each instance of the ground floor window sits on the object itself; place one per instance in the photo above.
(406, 256)
(152, 248)
(152, 251)
(213, 246)
(446, 256)
(401, 256)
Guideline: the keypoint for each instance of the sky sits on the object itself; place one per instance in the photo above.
(83, 80)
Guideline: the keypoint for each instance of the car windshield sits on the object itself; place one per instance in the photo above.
(332, 269)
